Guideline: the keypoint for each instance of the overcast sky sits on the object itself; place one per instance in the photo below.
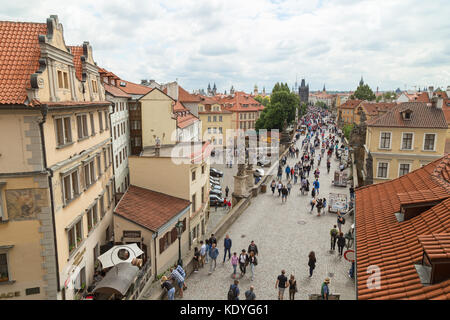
(247, 42)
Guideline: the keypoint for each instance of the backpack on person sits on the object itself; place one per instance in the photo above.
(343, 220)
(232, 293)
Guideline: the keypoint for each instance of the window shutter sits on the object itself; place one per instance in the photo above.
(161, 244)
(173, 235)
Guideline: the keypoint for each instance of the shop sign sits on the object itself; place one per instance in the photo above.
(9, 295)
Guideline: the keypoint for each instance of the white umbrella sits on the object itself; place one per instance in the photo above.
(119, 254)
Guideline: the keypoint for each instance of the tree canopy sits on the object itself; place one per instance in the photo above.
(263, 100)
(363, 92)
(281, 107)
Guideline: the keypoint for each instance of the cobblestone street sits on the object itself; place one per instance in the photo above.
(285, 233)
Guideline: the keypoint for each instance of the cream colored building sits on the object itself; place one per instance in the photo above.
(407, 137)
(56, 181)
(216, 120)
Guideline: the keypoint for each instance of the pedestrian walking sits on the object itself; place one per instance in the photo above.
(352, 193)
(313, 203)
(253, 261)
(311, 262)
(233, 292)
(250, 294)
(166, 284)
(341, 243)
(281, 284)
(253, 247)
(292, 287)
(324, 204)
(229, 205)
(179, 280)
(333, 234)
(313, 192)
(212, 239)
(196, 259)
(213, 254)
(340, 221)
(316, 185)
(273, 185)
(289, 187)
(226, 191)
(243, 262)
(234, 263)
(216, 203)
(325, 290)
(284, 194)
(227, 247)
(202, 253)
(288, 172)
(280, 186)
(319, 206)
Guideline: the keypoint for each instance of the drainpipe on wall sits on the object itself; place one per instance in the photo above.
(155, 236)
(44, 110)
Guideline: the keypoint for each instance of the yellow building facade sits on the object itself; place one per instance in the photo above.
(215, 122)
(406, 138)
(56, 193)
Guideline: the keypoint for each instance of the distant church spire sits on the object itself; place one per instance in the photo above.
(324, 87)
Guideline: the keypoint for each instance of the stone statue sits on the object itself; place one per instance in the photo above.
(241, 169)
(369, 169)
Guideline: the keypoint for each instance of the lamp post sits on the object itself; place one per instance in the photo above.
(179, 227)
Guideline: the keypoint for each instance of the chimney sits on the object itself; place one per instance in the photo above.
(430, 92)
(437, 102)
(448, 91)
(172, 90)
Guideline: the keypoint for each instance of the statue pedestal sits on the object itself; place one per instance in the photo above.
(250, 179)
(240, 189)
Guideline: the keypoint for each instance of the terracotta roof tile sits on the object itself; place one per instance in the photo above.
(436, 246)
(422, 116)
(148, 208)
(350, 104)
(19, 58)
(77, 52)
(394, 246)
(115, 91)
(133, 88)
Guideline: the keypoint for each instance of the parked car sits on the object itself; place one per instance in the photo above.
(213, 197)
(258, 173)
(216, 192)
(216, 187)
(213, 179)
(215, 173)
(263, 162)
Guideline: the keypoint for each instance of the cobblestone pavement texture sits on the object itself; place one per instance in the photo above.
(285, 233)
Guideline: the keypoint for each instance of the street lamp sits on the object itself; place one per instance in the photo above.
(179, 227)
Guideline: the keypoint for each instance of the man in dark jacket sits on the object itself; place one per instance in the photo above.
(227, 247)
(253, 247)
(212, 239)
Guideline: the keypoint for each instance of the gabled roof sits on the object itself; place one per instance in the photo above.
(373, 108)
(393, 246)
(184, 117)
(19, 58)
(149, 209)
(185, 96)
(236, 102)
(423, 116)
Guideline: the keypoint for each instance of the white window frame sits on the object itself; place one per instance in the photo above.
(412, 141)
(73, 195)
(3, 215)
(434, 144)
(84, 126)
(92, 174)
(74, 228)
(390, 140)
(8, 267)
(399, 166)
(66, 140)
(387, 170)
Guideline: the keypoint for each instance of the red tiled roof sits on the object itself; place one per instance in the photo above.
(350, 104)
(148, 208)
(35, 102)
(133, 88)
(373, 108)
(237, 102)
(184, 117)
(422, 97)
(19, 58)
(436, 246)
(117, 92)
(77, 52)
(422, 116)
(185, 96)
(394, 246)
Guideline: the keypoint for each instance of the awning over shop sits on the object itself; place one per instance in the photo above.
(118, 279)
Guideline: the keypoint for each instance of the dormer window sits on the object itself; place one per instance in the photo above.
(407, 114)
(435, 265)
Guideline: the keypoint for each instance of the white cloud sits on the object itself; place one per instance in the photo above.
(246, 42)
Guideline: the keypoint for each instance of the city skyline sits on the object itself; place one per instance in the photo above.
(196, 43)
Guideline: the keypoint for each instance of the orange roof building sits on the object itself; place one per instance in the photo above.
(403, 230)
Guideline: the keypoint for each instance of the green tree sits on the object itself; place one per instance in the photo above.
(347, 129)
(263, 100)
(280, 87)
(363, 92)
(321, 104)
